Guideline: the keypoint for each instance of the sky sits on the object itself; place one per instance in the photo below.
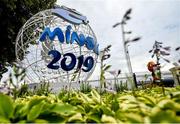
(151, 19)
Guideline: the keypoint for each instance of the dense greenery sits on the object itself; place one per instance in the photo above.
(87, 105)
(146, 106)
(13, 14)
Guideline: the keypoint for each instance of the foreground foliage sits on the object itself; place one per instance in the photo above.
(145, 106)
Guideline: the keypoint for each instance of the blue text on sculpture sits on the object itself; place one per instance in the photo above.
(80, 39)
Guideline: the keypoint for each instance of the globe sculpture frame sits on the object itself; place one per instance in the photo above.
(32, 55)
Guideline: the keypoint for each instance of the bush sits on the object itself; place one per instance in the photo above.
(146, 106)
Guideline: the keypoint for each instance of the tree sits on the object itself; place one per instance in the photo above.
(13, 14)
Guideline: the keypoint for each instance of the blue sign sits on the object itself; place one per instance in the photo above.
(86, 64)
(70, 38)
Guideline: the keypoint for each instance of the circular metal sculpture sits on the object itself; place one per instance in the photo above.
(57, 45)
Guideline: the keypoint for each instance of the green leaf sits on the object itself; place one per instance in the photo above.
(4, 120)
(167, 104)
(85, 98)
(95, 96)
(114, 105)
(93, 118)
(81, 109)
(76, 117)
(51, 118)
(107, 67)
(164, 117)
(20, 110)
(176, 96)
(106, 110)
(108, 119)
(6, 106)
(34, 102)
(22, 122)
(64, 109)
(134, 118)
(150, 101)
(35, 111)
(42, 121)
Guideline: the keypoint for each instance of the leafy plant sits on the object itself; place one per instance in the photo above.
(15, 84)
(147, 106)
(85, 87)
(42, 89)
(104, 55)
(17, 87)
(120, 86)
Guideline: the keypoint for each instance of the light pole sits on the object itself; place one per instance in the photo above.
(125, 18)
(127, 57)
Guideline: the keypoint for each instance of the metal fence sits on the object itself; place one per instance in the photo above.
(109, 81)
(143, 76)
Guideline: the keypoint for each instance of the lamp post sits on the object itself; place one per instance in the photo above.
(125, 18)
(127, 57)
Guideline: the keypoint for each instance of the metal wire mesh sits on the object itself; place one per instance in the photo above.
(33, 55)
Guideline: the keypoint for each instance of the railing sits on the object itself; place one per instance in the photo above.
(124, 79)
(109, 82)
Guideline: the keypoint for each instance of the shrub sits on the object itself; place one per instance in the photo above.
(147, 106)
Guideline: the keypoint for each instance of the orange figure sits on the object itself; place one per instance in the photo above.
(150, 66)
(155, 69)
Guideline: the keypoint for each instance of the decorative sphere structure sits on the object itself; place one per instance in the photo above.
(34, 55)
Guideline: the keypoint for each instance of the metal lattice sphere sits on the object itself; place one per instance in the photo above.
(33, 54)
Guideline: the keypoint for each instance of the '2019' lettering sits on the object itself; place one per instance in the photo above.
(87, 63)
